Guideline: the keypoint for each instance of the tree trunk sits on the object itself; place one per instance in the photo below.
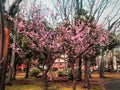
(89, 70)
(11, 69)
(101, 71)
(112, 59)
(48, 67)
(77, 6)
(15, 71)
(86, 75)
(4, 64)
(2, 35)
(80, 69)
(27, 68)
(74, 76)
(51, 74)
(45, 82)
(44, 75)
(74, 84)
(3, 75)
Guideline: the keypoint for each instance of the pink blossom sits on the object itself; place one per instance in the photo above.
(21, 26)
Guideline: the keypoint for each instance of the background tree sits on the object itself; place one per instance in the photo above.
(3, 68)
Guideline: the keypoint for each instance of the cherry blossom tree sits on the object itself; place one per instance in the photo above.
(41, 39)
(80, 41)
(75, 40)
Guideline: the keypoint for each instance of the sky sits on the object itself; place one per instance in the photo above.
(49, 4)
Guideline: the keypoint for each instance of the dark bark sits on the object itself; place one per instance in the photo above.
(15, 71)
(101, 71)
(71, 64)
(77, 6)
(45, 80)
(81, 53)
(4, 45)
(4, 64)
(51, 74)
(74, 84)
(44, 75)
(11, 69)
(86, 75)
(89, 70)
(3, 76)
(49, 66)
(27, 68)
(74, 77)
(80, 69)
(14, 8)
(3, 51)
(112, 58)
(1, 35)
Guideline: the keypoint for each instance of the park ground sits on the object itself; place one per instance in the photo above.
(33, 83)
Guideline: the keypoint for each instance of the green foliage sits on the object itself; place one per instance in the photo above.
(69, 74)
(34, 72)
(59, 73)
(24, 42)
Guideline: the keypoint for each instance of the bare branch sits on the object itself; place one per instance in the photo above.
(14, 8)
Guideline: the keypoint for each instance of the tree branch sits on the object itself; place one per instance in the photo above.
(14, 8)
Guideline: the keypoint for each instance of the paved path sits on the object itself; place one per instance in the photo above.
(112, 85)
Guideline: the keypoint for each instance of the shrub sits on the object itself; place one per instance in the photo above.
(69, 74)
(59, 73)
(34, 72)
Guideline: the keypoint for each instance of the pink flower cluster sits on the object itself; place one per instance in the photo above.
(82, 36)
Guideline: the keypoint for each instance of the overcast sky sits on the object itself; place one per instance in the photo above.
(49, 4)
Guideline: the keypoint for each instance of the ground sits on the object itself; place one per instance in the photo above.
(112, 84)
(60, 83)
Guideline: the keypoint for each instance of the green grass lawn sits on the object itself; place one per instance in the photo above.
(34, 84)
(37, 84)
(24, 87)
(36, 87)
